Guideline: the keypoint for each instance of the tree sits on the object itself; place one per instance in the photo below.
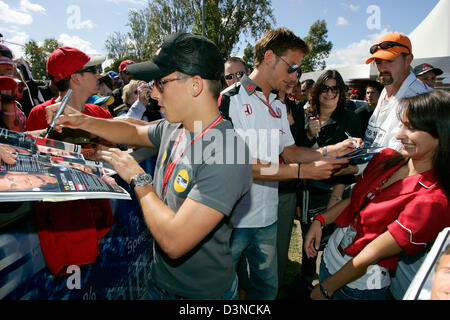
(320, 47)
(248, 56)
(37, 56)
(117, 45)
(225, 22)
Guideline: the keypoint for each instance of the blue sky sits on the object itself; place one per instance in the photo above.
(352, 24)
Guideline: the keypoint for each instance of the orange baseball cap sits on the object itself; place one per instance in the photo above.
(399, 43)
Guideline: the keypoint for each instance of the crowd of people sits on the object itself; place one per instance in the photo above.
(222, 222)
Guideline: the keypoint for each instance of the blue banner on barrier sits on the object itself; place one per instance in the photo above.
(121, 271)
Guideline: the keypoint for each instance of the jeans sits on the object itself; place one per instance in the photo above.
(155, 293)
(259, 246)
(346, 293)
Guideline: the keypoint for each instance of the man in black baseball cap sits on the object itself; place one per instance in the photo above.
(427, 73)
(184, 52)
(196, 185)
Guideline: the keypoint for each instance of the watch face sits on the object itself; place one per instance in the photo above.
(143, 179)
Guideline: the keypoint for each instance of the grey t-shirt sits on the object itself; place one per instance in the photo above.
(203, 173)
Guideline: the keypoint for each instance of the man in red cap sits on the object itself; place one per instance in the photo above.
(393, 55)
(69, 68)
(61, 225)
(11, 115)
(123, 74)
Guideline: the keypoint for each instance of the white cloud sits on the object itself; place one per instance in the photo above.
(14, 16)
(353, 7)
(341, 21)
(77, 42)
(26, 6)
(355, 53)
(15, 41)
(138, 2)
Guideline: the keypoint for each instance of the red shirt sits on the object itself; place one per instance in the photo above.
(69, 232)
(37, 118)
(414, 210)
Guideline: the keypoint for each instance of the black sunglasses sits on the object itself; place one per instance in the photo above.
(387, 45)
(160, 82)
(231, 76)
(93, 69)
(6, 53)
(333, 89)
(292, 67)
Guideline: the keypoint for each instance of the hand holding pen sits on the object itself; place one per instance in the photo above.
(352, 140)
(60, 110)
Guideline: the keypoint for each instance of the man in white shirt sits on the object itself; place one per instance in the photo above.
(260, 118)
(392, 54)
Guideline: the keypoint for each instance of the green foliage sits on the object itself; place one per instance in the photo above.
(248, 56)
(320, 47)
(37, 56)
(225, 22)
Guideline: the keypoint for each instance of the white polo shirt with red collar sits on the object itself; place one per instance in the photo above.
(265, 128)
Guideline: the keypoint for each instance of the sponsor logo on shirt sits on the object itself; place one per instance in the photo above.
(181, 181)
(248, 109)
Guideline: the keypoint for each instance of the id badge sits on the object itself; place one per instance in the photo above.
(349, 235)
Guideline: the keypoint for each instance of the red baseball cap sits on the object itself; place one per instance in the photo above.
(65, 61)
(123, 65)
(7, 83)
(401, 44)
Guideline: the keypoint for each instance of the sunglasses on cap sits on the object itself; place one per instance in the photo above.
(93, 69)
(387, 45)
(231, 76)
(6, 53)
(292, 67)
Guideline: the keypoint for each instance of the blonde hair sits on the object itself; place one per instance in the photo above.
(126, 92)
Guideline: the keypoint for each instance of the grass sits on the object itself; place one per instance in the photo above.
(294, 263)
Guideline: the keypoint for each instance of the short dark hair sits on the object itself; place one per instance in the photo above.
(430, 112)
(314, 103)
(237, 59)
(63, 84)
(309, 83)
(376, 85)
(279, 41)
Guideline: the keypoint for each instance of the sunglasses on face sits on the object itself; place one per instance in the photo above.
(292, 67)
(231, 76)
(333, 89)
(160, 82)
(387, 45)
(94, 69)
(6, 53)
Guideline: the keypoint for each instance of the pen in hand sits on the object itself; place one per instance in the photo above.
(60, 110)
(351, 139)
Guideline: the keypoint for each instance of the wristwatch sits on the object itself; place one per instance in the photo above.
(141, 179)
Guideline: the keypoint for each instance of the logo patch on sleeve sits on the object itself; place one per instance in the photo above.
(181, 181)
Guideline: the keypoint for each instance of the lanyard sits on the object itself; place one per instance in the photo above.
(171, 164)
(271, 111)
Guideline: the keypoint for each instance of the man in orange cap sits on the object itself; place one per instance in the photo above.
(393, 55)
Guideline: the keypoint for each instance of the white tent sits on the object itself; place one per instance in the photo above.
(431, 38)
(430, 43)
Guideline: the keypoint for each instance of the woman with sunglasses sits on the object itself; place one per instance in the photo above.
(327, 123)
(399, 205)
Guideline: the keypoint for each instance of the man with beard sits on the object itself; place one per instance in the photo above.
(392, 54)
